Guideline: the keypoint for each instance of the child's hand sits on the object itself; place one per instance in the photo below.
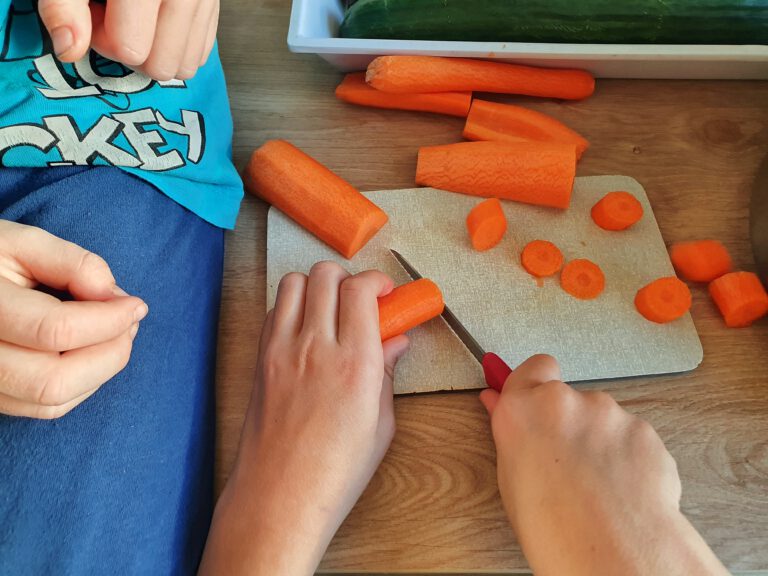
(319, 423)
(165, 39)
(54, 354)
(589, 488)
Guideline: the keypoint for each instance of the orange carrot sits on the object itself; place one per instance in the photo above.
(354, 90)
(582, 279)
(508, 123)
(316, 198)
(617, 211)
(532, 172)
(420, 74)
(541, 258)
(740, 297)
(407, 306)
(663, 300)
(486, 224)
(700, 261)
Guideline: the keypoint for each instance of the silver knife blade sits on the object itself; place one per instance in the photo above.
(450, 318)
(759, 221)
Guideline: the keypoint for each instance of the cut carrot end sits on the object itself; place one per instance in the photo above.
(617, 211)
(701, 261)
(740, 297)
(486, 224)
(541, 258)
(408, 306)
(582, 279)
(663, 300)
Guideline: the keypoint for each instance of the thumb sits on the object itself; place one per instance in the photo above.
(489, 398)
(394, 349)
(69, 25)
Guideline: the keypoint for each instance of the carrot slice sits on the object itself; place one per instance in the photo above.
(316, 198)
(486, 224)
(582, 279)
(741, 298)
(541, 258)
(663, 300)
(407, 306)
(508, 123)
(533, 172)
(617, 211)
(420, 74)
(354, 90)
(700, 261)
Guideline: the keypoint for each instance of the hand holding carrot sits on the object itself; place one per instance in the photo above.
(588, 488)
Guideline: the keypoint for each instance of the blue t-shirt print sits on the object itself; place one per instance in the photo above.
(176, 135)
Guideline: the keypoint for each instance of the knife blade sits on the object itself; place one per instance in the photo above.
(759, 220)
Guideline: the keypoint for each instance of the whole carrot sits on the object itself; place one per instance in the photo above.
(316, 198)
(531, 172)
(354, 90)
(407, 306)
(420, 74)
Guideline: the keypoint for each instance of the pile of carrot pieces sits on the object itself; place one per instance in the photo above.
(513, 153)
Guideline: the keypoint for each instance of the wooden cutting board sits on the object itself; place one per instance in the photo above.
(507, 310)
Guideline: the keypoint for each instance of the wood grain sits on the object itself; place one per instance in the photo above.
(433, 506)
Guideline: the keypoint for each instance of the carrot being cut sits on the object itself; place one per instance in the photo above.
(532, 172)
(420, 74)
(701, 260)
(354, 90)
(741, 298)
(582, 279)
(486, 224)
(316, 198)
(541, 258)
(617, 211)
(663, 300)
(508, 123)
(407, 306)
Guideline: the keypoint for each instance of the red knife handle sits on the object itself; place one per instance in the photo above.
(496, 371)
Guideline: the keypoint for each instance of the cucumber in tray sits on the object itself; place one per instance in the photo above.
(568, 21)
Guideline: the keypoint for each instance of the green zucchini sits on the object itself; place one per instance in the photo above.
(568, 21)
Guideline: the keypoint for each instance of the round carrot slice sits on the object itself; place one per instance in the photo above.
(582, 279)
(541, 258)
(740, 297)
(700, 261)
(486, 224)
(617, 211)
(663, 300)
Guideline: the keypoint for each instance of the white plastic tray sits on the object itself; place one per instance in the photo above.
(314, 26)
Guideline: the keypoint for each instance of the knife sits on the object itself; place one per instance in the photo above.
(495, 369)
(759, 221)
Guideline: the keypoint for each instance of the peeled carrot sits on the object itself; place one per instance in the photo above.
(582, 279)
(486, 224)
(316, 198)
(407, 306)
(663, 300)
(533, 172)
(700, 261)
(541, 258)
(354, 90)
(508, 123)
(420, 74)
(617, 211)
(741, 298)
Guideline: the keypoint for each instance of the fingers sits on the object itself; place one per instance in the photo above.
(60, 264)
(128, 31)
(321, 312)
(359, 307)
(198, 37)
(533, 372)
(393, 349)
(289, 305)
(52, 379)
(213, 26)
(171, 38)
(39, 321)
(69, 25)
(14, 407)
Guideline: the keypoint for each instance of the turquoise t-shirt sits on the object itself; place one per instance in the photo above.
(177, 134)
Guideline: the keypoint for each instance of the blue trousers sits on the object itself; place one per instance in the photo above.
(123, 484)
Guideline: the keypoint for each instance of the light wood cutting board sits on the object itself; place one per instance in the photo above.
(506, 310)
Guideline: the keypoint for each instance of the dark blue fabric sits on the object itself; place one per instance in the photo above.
(124, 483)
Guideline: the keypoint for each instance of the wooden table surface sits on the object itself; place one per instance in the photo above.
(433, 506)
